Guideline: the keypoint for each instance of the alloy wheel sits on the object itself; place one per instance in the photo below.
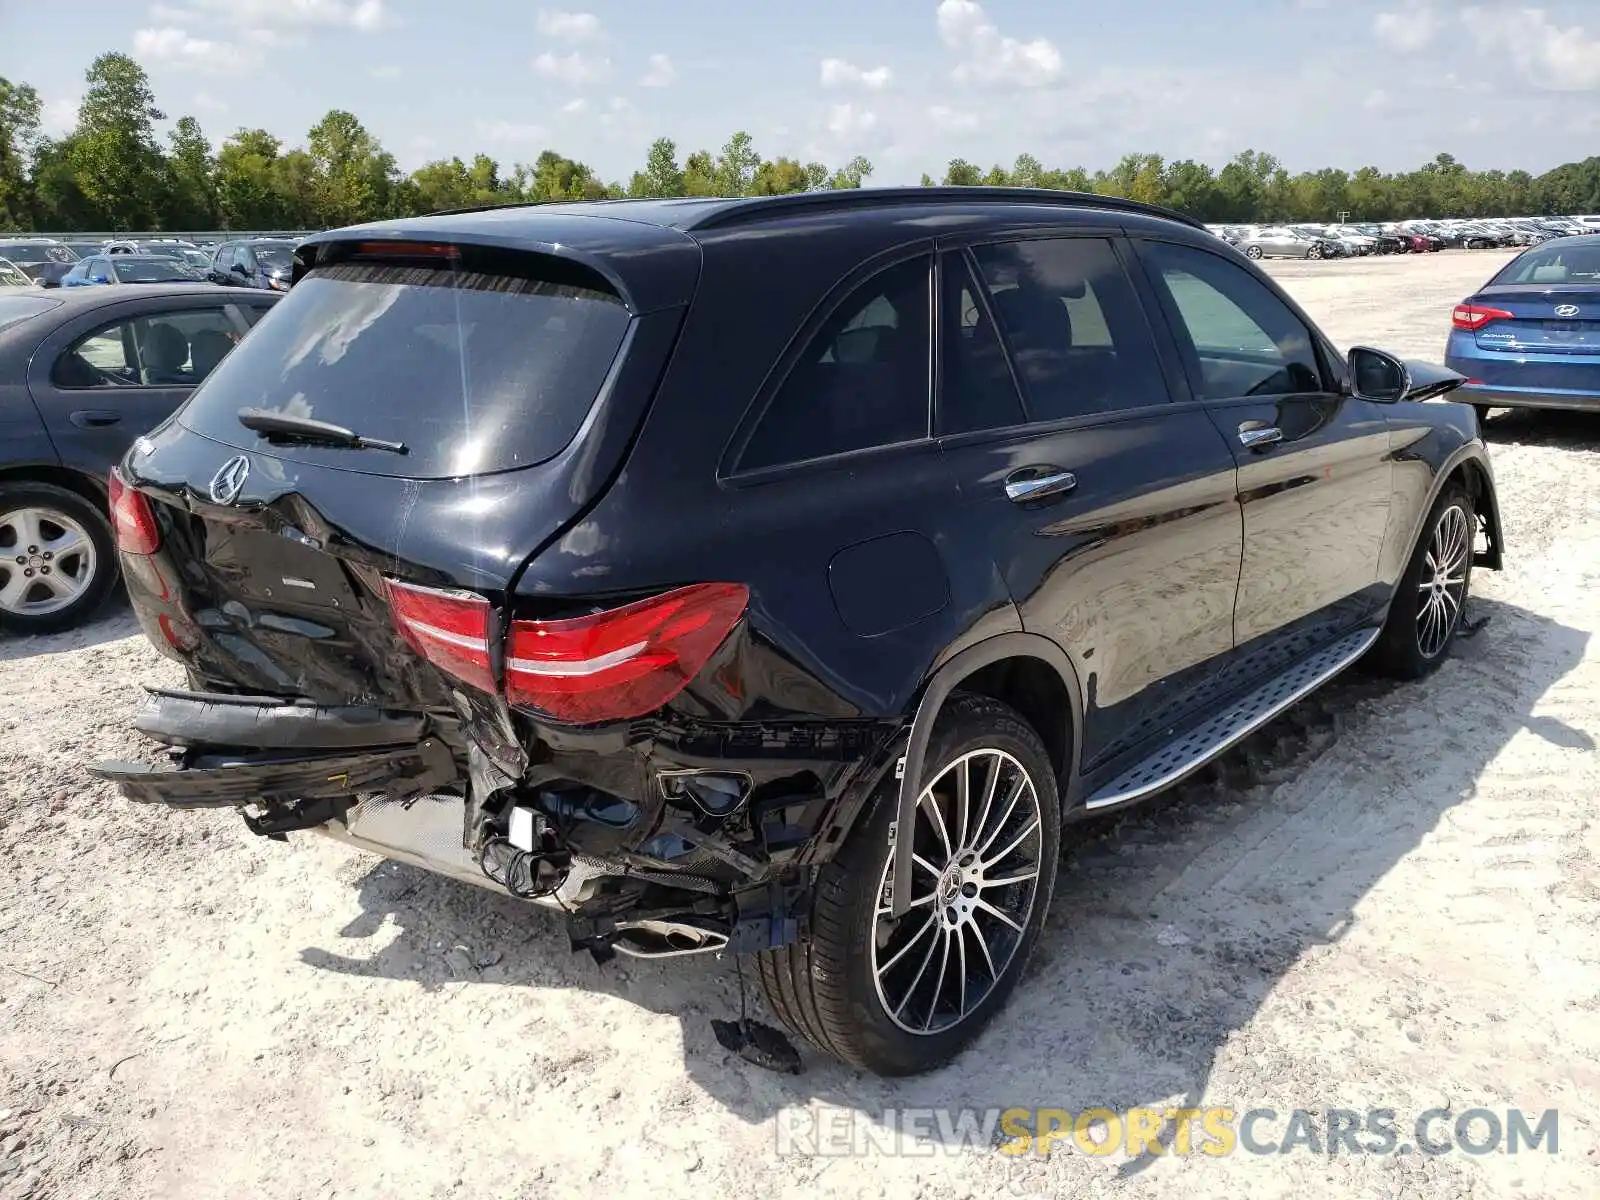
(978, 840)
(47, 561)
(1443, 583)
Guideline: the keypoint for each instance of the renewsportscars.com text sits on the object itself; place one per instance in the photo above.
(830, 1131)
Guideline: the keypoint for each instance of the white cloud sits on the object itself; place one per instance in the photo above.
(990, 57)
(836, 72)
(384, 72)
(569, 26)
(575, 68)
(180, 49)
(1377, 100)
(952, 120)
(1562, 60)
(60, 116)
(207, 103)
(270, 39)
(170, 43)
(846, 120)
(575, 106)
(1413, 27)
(509, 131)
(661, 73)
(620, 119)
(363, 15)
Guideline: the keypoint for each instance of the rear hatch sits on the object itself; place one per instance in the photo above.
(513, 375)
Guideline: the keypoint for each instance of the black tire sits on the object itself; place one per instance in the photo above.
(99, 569)
(1402, 651)
(827, 990)
(1253, 252)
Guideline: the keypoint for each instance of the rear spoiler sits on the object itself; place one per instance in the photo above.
(649, 267)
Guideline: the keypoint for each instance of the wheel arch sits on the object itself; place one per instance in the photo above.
(1474, 473)
(1025, 670)
(1469, 466)
(90, 488)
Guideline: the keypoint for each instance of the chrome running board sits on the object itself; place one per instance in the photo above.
(1176, 759)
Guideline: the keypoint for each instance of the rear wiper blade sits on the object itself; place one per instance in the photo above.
(280, 427)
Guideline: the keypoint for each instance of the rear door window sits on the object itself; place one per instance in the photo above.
(976, 388)
(473, 371)
(1076, 329)
(862, 380)
(170, 349)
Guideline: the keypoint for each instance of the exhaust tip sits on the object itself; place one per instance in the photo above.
(651, 938)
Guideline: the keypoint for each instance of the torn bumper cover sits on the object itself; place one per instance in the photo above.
(232, 751)
(669, 860)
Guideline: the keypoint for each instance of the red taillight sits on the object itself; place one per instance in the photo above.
(449, 629)
(623, 663)
(133, 521)
(1475, 316)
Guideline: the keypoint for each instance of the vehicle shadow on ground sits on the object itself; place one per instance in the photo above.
(1149, 964)
(113, 622)
(1558, 428)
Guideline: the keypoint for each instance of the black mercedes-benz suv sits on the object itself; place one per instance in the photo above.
(779, 576)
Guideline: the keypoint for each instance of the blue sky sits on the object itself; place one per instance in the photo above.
(908, 83)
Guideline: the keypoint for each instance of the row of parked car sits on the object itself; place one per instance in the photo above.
(255, 262)
(1398, 237)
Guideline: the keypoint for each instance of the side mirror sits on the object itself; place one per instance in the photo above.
(99, 279)
(242, 271)
(1377, 376)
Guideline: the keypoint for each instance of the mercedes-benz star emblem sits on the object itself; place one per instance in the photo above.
(228, 482)
(1566, 310)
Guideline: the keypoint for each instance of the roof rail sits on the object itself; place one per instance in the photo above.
(757, 208)
(619, 201)
(475, 208)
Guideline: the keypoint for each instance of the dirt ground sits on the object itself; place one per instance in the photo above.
(1389, 898)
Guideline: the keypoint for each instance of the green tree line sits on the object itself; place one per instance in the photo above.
(113, 170)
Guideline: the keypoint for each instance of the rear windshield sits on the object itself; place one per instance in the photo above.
(1555, 263)
(20, 308)
(474, 372)
(150, 270)
(27, 254)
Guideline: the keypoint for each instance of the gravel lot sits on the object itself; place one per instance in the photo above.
(1388, 898)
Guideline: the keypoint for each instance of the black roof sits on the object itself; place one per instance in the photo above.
(649, 250)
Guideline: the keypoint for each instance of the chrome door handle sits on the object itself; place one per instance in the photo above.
(1037, 487)
(1258, 437)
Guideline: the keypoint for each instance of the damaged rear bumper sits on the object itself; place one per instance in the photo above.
(661, 843)
(233, 751)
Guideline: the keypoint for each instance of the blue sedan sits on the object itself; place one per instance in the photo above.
(1530, 337)
(128, 268)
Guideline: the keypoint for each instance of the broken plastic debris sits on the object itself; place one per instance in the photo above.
(758, 1044)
